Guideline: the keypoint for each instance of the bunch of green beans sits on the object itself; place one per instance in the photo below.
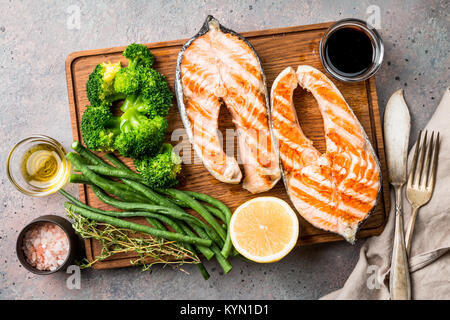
(161, 208)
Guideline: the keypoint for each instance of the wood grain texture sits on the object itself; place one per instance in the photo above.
(277, 49)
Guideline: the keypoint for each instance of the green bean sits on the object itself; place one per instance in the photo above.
(203, 271)
(123, 192)
(176, 226)
(153, 220)
(149, 193)
(199, 265)
(219, 214)
(216, 212)
(155, 223)
(212, 201)
(203, 250)
(78, 202)
(135, 226)
(226, 211)
(225, 265)
(115, 161)
(116, 172)
(171, 224)
(208, 234)
(104, 183)
(156, 197)
(223, 262)
(197, 206)
(78, 178)
(179, 228)
(130, 214)
(98, 162)
(87, 154)
(130, 193)
(174, 213)
(119, 214)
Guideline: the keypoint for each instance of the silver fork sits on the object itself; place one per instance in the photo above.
(421, 180)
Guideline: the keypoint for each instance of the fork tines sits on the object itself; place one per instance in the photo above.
(424, 163)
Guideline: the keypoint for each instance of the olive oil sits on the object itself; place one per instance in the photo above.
(42, 167)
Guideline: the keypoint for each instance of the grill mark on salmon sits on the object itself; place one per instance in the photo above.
(336, 190)
(219, 67)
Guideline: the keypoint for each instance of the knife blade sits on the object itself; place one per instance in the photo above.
(397, 125)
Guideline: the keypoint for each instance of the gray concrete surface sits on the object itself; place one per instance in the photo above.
(36, 37)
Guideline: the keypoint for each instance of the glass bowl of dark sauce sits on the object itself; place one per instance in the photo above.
(351, 51)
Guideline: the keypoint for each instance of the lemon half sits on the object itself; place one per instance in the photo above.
(264, 229)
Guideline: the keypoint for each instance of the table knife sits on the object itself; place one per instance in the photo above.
(397, 125)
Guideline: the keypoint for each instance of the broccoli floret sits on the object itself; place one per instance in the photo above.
(156, 94)
(138, 54)
(133, 134)
(155, 97)
(149, 89)
(162, 170)
(128, 81)
(99, 127)
(100, 85)
(140, 136)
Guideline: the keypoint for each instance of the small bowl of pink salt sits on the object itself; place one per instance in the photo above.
(47, 245)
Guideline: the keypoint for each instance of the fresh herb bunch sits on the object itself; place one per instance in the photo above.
(150, 250)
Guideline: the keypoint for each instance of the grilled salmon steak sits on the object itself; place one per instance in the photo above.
(219, 67)
(336, 190)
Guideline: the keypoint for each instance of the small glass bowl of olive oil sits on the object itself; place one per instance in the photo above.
(37, 166)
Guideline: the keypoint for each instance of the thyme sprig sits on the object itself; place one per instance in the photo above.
(150, 250)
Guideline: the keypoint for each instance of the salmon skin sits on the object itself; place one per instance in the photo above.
(336, 190)
(219, 67)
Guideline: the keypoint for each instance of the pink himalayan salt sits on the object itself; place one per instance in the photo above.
(45, 246)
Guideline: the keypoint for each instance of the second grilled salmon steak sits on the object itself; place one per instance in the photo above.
(218, 67)
(336, 190)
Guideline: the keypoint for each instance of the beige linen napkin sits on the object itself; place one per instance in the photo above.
(430, 247)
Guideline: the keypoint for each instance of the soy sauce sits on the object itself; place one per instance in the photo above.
(349, 51)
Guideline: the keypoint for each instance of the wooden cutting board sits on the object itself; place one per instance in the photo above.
(277, 49)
